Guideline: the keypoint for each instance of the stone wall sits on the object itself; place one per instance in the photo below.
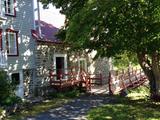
(100, 66)
(45, 59)
(28, 76)
(44, 62)
(97, 66)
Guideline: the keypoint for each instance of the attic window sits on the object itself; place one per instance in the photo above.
(10, 7)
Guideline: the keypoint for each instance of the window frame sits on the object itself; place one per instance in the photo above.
(16, 40)
(83, 60)
(1, 46)
(11, 9)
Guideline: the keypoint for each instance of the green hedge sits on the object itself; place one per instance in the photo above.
(7, 90)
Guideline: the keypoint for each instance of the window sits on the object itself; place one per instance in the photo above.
(12, 42)
(83, 64)
(10, 7)
(0, 39)
(15, 78)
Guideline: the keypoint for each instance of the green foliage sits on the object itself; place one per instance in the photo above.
(1, 110)
(140, 90)
(35, 109)
(5, 86)
(123, 61)
(11, 100)
(68, 94)
(7, 93)
(111, 26)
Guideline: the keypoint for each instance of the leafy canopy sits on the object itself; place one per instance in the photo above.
(111, 26)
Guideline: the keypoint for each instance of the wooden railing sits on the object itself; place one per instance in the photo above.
(74, 76)
(69, 78)
(96, 79)
(125, 79)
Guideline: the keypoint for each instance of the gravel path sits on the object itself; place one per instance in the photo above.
(74, 110)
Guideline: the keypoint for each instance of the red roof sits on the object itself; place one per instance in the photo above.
(48, 33)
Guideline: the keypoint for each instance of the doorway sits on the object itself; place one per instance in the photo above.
(60, 63)
(17, 79)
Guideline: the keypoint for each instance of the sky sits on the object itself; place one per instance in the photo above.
(52, 16)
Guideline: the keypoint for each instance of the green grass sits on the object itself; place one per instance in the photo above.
(38, 108)
(135, 106)
(58, 100)
(69, 94)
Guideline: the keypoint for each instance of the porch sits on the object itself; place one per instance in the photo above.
(73, 78)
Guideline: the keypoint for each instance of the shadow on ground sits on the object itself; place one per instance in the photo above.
(75, 110)
(123, 108)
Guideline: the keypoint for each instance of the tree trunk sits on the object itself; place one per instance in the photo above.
(152, 72)
(156, 73)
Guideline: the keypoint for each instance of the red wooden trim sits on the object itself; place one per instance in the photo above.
(40, 40)
(11, 30)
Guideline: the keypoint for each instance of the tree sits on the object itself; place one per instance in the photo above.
(125, 60)
(112, 27)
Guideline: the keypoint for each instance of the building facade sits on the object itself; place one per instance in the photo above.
(17, 42)
(28, 57)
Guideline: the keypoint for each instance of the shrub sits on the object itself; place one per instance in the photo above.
(68, 94)
(11, 100)
(7, 90)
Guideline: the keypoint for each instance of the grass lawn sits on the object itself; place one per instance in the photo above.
(135, 106)
(58, 100)
(38, 108)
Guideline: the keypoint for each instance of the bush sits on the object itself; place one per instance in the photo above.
(7, 90)
(11, 100)
(72, 94)
(68, 94)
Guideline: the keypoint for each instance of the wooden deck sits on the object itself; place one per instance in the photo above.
(116, 82)
(71, 79)
(74, 78)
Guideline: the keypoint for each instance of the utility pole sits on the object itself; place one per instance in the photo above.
(39, 23)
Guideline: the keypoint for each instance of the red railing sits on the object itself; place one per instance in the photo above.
(96, 79)
(123, 80)
(69, 78)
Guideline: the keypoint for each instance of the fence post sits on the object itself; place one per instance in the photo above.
(101, 79)
(109, 83)
(50, 76)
